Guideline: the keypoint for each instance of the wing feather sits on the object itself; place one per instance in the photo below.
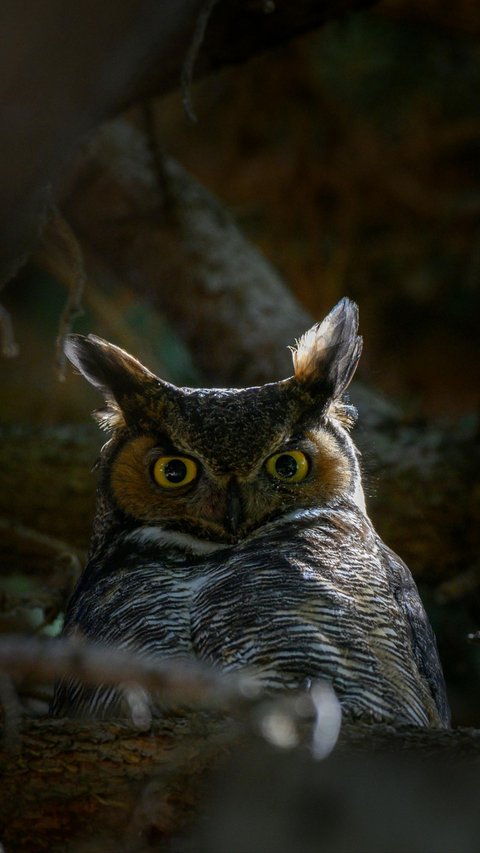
(424, 644)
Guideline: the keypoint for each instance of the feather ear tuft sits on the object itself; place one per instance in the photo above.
(325, 358)
(119, 376)
(106, 366)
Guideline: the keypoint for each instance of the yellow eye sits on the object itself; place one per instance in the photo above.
(171, 472)
(291, 466)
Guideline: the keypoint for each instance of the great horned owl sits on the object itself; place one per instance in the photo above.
(231, 527)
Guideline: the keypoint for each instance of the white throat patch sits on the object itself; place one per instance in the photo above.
(160, 536)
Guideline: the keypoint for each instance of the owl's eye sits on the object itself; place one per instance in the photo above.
(171, 472)
(291, 466)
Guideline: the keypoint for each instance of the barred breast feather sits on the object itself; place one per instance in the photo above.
(313, 595)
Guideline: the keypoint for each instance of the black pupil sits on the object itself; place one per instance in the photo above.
(286, 466)
(175, 471)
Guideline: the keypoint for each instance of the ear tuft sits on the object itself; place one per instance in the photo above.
(326, 356)
(119, 376)
(106, 366)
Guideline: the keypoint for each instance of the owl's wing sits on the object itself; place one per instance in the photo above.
(424, 644)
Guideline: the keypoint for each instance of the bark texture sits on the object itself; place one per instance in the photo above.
(106, 784)
(71, 786)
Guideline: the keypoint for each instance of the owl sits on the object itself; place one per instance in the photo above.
(231, 528)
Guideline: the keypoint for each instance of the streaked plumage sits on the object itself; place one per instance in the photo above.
(245, 566)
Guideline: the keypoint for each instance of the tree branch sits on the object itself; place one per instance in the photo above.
(44, 660)
(111, 55)
(173, 242)
(109, 787)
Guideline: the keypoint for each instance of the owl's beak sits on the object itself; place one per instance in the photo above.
(234, 515)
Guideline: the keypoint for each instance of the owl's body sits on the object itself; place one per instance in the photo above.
(231, 527)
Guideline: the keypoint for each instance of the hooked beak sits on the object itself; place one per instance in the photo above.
(234, 515)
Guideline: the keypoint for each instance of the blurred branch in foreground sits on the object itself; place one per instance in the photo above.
(44, 660)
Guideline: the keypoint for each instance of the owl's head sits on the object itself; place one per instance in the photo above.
(213, 465)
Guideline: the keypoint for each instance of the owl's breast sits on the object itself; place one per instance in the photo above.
(310, 601)
(306, 598)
